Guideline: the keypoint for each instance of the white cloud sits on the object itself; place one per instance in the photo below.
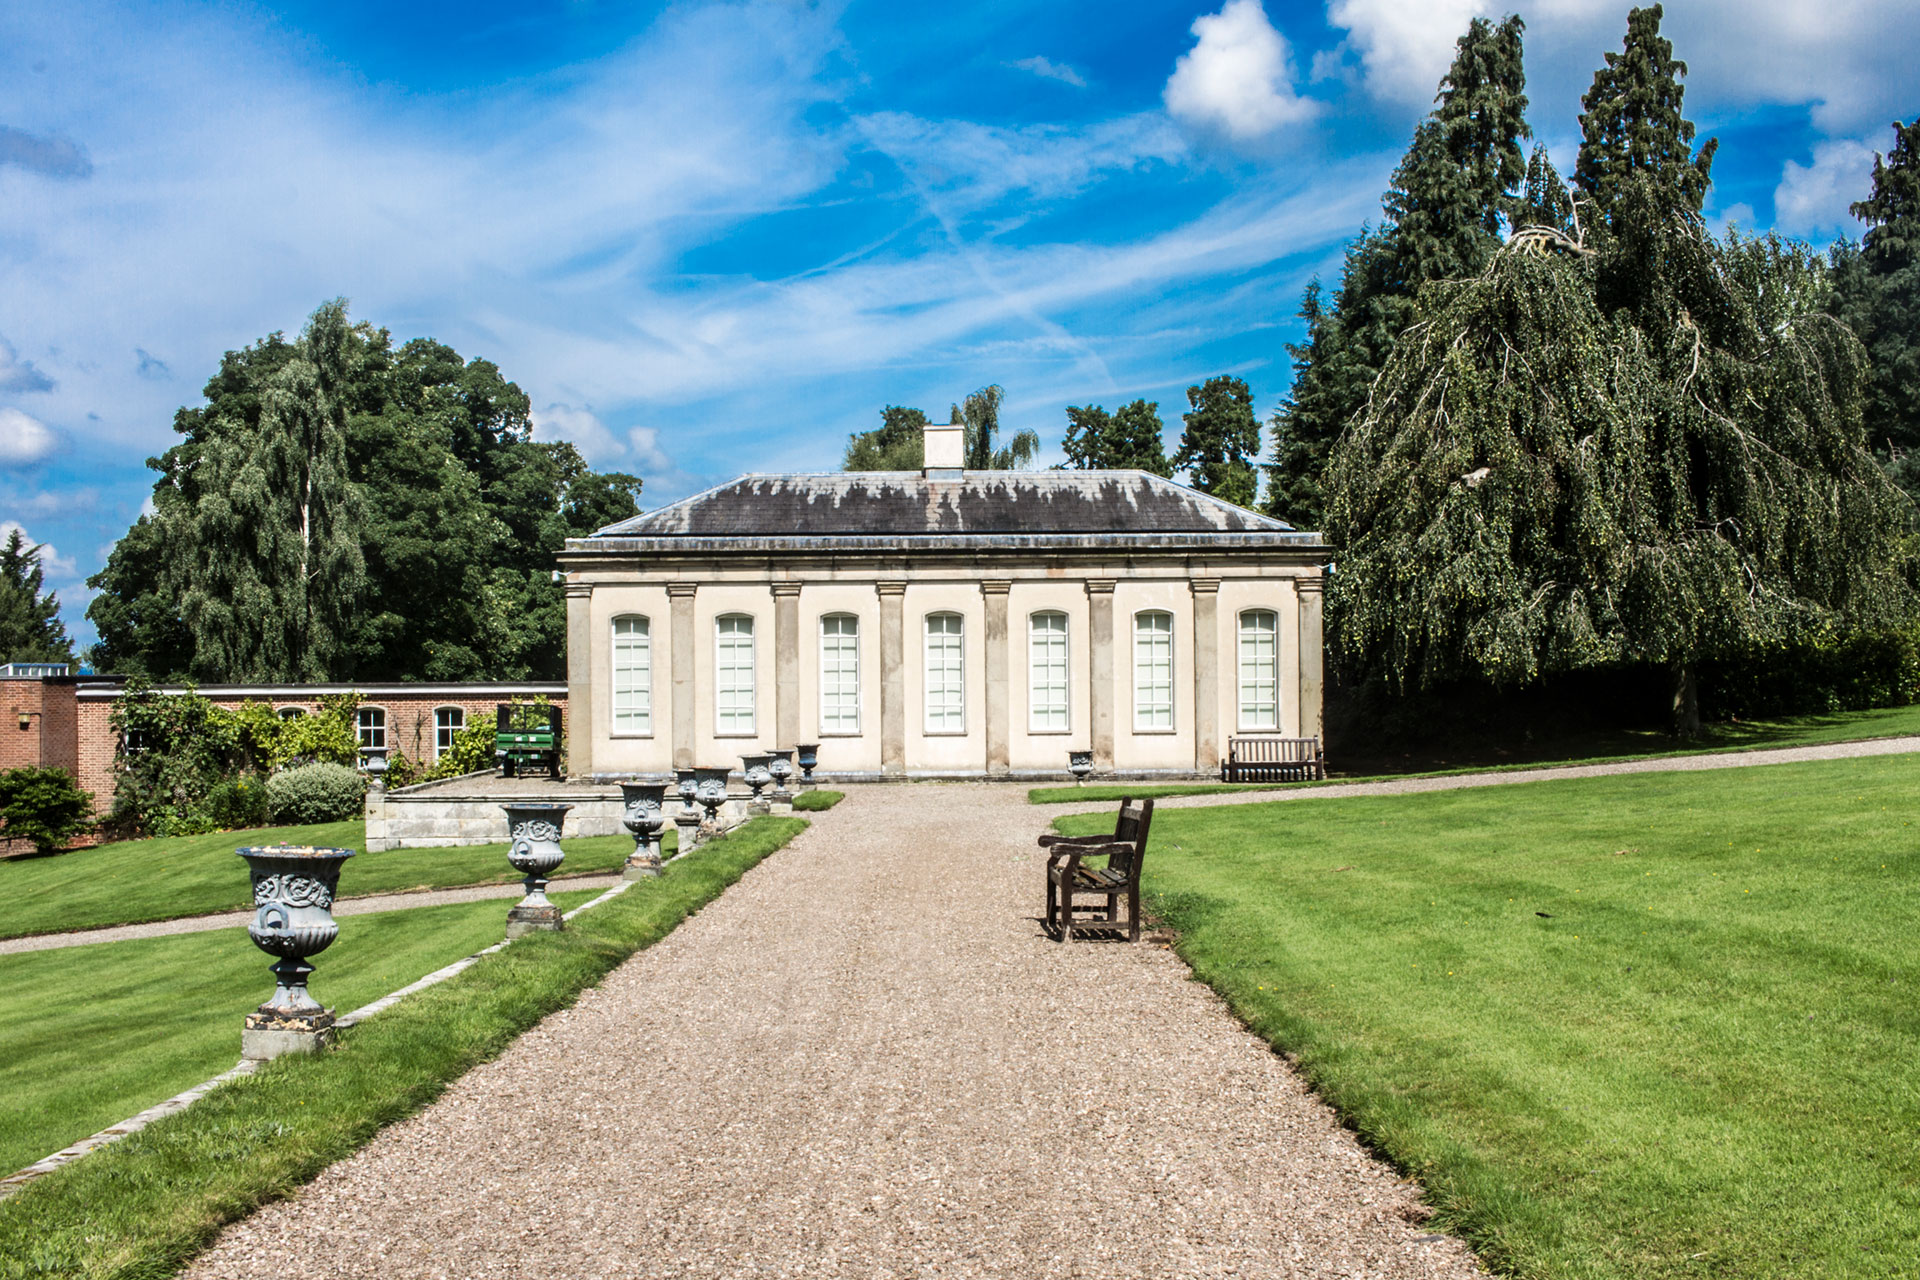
(1405, 47)
(638, 448)
(1813, 198)
(24, 440)
(643, 447)
(56, 569)
(1048, 69)
(972, 165)
(1238, 77)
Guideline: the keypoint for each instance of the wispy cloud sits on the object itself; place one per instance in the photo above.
(49, 154)
(20, 375)
(151, 367)
(1048, 69)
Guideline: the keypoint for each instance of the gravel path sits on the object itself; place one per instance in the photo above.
(866, 1060)
(342, 907)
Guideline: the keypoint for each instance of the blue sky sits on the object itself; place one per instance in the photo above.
(709, 238)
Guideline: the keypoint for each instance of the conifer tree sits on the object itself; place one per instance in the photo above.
(1631, 125)
(30, 626)
(1455, 188)
(1877, 292)
(1221, 440)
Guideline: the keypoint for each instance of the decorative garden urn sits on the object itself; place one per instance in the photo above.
(780, 765)
(644, 813)
(534, 851)
(373, 760)
(1080, 764)
(293, 888)
(688, 781)
(753, 769)
(807, 755)
(710, 792)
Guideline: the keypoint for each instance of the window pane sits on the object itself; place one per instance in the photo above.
(1153, 670)
(447, 721)
(632, 676)
(946, 688)
(733, 675)
(1259, 670)
(1047, 671)
(373, 727)
(840, 674)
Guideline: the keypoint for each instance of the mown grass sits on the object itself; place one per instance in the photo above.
(139, 880)
(1659, 1025)
(95, 1035)
(1743, 735)
(817, 801)
(145, 1205)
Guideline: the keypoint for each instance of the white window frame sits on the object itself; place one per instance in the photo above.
(840, 675)
(290, 713)
(446, 731)
(370, 728)
(1153, 700)
(734, 702)
(634, 720)
(944, 670)
(1256, 648)
(1049, 672)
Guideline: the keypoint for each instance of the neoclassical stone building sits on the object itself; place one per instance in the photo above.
(942, 623)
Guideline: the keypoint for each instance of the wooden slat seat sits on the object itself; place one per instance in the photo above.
(1264, 758)
(1124, 848)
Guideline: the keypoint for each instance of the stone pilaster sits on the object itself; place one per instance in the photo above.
(680, 597)
(581, 720)
(893, 677)
(1206, 674)
(1100, 654)
(1312, 660)
(999, 714)
(786, 663)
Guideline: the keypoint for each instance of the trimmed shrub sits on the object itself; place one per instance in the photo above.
(45, 806)
(315, 793)
(239, 802)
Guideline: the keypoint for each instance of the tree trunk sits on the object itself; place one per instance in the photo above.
(1686, 701)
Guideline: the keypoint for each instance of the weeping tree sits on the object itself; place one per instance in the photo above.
(981, 415)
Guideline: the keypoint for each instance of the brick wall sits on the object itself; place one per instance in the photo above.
(18, 749)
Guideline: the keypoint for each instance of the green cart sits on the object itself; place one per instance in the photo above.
(522, 744)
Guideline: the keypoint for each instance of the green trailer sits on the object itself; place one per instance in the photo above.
(526, 741)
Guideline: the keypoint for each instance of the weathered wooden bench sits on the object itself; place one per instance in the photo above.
(1067, 873)
(1266, 759)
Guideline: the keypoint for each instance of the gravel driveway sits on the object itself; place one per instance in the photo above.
(865, 1059)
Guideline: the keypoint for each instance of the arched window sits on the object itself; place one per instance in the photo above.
(946, 674)
(733, 675)
(632, 676)
(1153, 670)
(291, 713)
(1259, 669)
(447, 723)
(1047, 673)
(372, 722)
(839, 674)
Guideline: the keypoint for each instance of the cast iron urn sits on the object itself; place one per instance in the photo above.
(807, 756)
(753, 769)
(687, 786)
(293, 888)
(644, 814)
(780, 765)
(534, 851)
(1080, 764)
(710, 791)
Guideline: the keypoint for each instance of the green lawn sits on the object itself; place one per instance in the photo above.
(145, 1205)
(98, 1033)
(1744, 735)
(1647, 1026)
(137, 880)
(817, 801)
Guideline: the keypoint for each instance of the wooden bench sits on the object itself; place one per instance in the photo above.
(1067, 873)
(1263, 759)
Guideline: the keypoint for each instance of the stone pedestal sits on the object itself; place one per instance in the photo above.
(688, 825)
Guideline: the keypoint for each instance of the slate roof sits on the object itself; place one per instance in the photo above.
(896, 504)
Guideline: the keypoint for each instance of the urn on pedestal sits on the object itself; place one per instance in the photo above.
(293, 889)
(644, 814)
(753, 770)
(780, 765)
(1080, 764)
(686, 786)
(710, 792)
(807, 756)
(534, 833)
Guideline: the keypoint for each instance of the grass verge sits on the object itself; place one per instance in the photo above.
(1660, 1025)
(139, 880)
(144, 1206)
(162, 1014)
(1746, 735)
(817, 801)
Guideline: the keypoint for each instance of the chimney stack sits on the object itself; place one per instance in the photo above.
(945, 449)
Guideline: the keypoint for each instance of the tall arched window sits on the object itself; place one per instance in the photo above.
(1047, 673)
(1259, 669)
(1153, 670)
(839, 674)
(632, 675)
(946, 674)
(733, 675)
(372, 723)
(447, 724)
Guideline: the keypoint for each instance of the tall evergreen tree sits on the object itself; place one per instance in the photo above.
(30, 626)
(1221, 440)
(1458, 184)
(897, 444)
(1631, 124)
(1129, 439)
(1877, 292)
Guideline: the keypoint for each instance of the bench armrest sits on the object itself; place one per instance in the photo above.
(1050, 840)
